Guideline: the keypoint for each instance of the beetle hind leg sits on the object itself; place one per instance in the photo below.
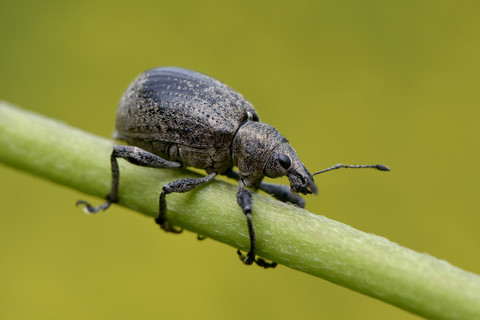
(112, 197)
(180, 186)
(135, 156)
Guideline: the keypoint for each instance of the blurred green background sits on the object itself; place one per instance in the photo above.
(393, 82)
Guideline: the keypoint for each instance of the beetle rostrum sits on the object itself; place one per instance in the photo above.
(173, 118)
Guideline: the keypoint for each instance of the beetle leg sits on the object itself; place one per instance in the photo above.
(181, 185)
(135, 156)
(245, 200)
(140, 157)
(282, 193)
(278, 191)
(232, 174)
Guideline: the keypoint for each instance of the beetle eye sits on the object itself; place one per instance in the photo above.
(285, 161)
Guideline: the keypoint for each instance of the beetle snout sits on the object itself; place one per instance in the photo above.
(302, 183)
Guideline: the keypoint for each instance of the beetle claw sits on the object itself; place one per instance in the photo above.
(169, 228)
(248, 260)
(89, 209)
(245, 258)
(263, 263)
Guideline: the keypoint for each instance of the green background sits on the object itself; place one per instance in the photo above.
(393, 82)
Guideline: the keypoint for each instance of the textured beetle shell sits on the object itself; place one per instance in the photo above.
(252, 148)
(184, 116)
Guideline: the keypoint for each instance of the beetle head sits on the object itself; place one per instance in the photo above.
(260, 150)
(284, 161)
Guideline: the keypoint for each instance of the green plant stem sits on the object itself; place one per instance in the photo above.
(288, 235)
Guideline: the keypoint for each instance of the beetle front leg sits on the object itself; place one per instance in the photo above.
(245, 200)
(282, 193)
(181, 186)
(278, 191)
(135, 156)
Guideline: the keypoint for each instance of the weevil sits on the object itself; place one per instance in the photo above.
(174, 118)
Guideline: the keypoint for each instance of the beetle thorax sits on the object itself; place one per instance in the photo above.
(252, 147)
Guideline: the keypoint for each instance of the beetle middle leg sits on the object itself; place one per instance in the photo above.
(181, 185)
(135, 156)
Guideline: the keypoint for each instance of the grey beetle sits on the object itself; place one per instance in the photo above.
(174, 118)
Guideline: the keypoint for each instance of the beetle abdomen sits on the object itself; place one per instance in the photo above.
(180, 106)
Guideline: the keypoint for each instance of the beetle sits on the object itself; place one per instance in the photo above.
(173, 118)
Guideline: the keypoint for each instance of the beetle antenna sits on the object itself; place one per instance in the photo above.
(380, 167)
